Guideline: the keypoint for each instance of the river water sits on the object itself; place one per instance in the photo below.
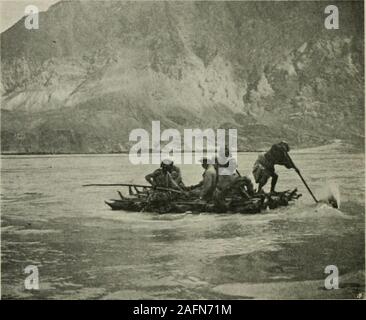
(83, 250)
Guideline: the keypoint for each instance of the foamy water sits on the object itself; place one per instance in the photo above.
(85, 250)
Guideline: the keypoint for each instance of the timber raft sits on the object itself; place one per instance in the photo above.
(147, 200)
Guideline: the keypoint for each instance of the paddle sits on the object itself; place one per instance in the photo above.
(301, 177)
(130, 184)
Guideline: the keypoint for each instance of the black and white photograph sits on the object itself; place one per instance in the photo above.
(182, 150)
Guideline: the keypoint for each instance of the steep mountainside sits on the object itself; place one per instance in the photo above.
(96, 70)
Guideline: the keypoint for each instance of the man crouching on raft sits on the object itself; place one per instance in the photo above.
(167, 176)
(263, 168)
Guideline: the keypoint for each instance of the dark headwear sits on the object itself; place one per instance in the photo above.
(204, 160)
(284, 145)
(166, 163)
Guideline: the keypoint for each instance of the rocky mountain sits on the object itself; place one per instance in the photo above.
(95, 70)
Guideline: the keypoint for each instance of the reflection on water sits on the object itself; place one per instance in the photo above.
(86, 251)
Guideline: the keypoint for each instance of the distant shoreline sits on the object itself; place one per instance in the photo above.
(89, 153)
(312, 150)
(337, 145)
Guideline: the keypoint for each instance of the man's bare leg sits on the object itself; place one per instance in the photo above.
(260, 186)
(274, 182)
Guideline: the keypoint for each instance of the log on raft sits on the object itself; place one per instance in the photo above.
(143, 201)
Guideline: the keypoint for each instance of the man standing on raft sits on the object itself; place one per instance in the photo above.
(263, 168)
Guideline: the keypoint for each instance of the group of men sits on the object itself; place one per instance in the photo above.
(221, 176)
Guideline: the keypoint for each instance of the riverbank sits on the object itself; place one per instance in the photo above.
(335, 146)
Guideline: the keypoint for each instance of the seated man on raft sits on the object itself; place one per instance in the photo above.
(230, 183)
(206, 187)
(167, 176)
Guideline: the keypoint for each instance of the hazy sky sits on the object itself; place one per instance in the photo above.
(13, 10)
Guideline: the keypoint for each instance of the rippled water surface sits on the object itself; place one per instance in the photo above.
(86, 251)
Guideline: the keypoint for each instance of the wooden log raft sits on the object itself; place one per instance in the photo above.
(167, 202)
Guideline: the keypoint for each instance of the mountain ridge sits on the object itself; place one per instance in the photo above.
(82, 85)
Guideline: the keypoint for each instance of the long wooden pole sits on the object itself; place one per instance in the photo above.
(301, 177)
(130, 185)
